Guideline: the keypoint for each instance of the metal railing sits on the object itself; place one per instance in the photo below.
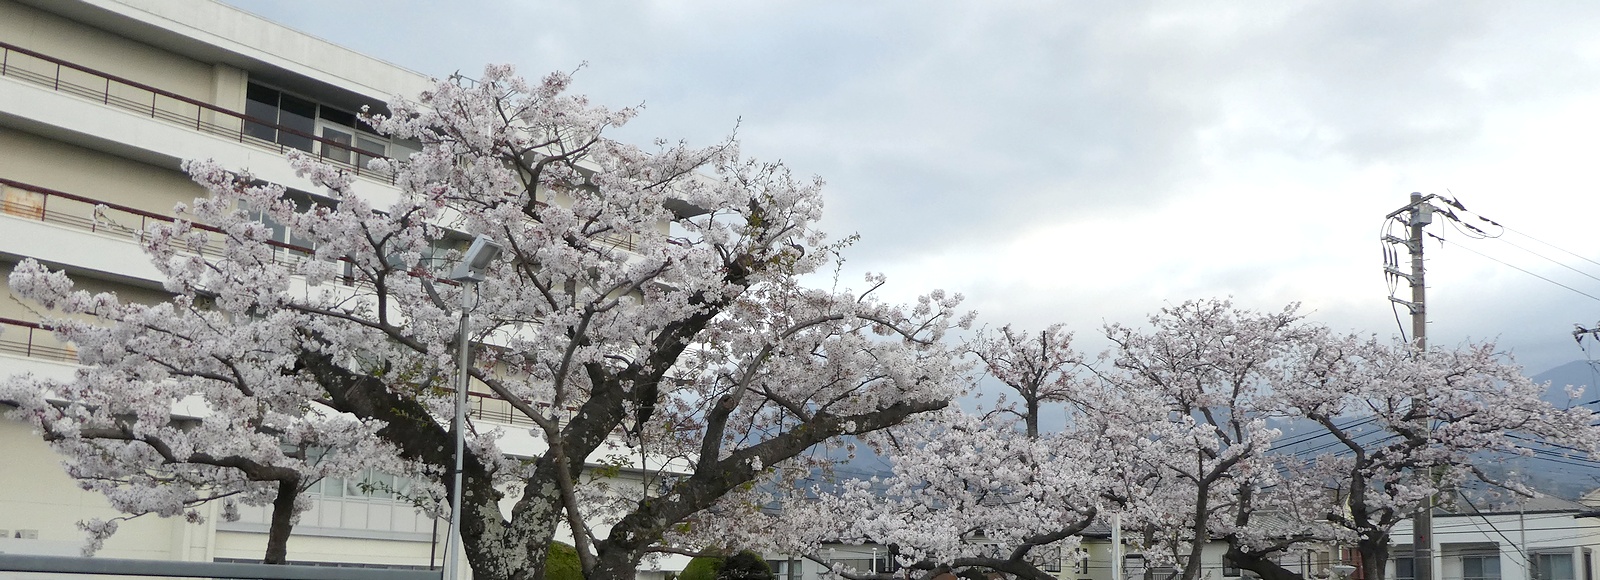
(58, 565)
(111, 219)
(32, 340)
(491, 407)
(144, 100)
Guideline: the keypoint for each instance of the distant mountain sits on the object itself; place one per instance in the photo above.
(1579, 373)
(1559, 472)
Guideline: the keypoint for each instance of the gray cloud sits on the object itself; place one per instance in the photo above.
(947, 131)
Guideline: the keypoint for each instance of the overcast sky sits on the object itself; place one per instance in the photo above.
(1088, 162)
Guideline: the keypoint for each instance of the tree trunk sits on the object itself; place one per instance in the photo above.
(1201, 531)
(282, 521)
(1374, 551)
(1262, 566)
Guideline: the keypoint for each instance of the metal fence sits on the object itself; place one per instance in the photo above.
(59, 566)
(144, 100)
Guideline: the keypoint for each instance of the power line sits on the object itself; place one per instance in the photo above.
(1517, 268)
(1520, 233)
(1550, 259)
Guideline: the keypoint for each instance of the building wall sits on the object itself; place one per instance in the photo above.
(61, 166)
(38, 499)
(48, 33)
(1511, 536)
(81, 142)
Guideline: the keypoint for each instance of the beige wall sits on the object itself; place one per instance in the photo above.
(328, 549)
(40, 497)
(47, 33)
(55, 165)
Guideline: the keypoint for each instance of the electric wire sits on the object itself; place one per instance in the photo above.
(1517, 268)
(1491, 525)
(1564, 250)
(1550, 259)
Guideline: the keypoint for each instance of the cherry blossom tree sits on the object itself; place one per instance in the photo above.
(974, 495)
(178, 405)
(645, 300)
(1407, 425)
(1040, 368)
(1209, 365)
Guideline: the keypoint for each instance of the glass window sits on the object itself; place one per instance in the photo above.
(1485, 567)
(302, 119)
(332, 487)
(1403, 569)
(786, 569)
(261, 103)
(300, 115)
(369, 145)
(1552, 567)
(1229, 568)
(334, 152)
(333, 115)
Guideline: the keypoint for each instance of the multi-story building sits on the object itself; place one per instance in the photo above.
(100, 102)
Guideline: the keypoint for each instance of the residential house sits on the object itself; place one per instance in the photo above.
(1542, 538)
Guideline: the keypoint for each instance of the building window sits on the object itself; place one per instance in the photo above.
(1552, 567)
(1047, 558)
(1485, 567)
(299, 119)
(786, 570)
(1403, 569)
(884, 563)
(1230, 569)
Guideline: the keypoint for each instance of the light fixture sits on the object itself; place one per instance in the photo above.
(475, 264)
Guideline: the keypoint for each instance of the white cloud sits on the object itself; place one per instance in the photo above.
(1093, 161)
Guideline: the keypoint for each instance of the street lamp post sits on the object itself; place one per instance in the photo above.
(469, 273)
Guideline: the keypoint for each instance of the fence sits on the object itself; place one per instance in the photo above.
(58, 565)
(31, 340)
(144, 100)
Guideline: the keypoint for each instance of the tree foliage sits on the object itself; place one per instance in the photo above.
(701, 568)
(562, 563)
(1176, 428)
(648, 312)
(745, 565)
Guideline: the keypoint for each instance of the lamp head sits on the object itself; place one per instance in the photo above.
(476, 262)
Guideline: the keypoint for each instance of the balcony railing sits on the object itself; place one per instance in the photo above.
(32, 340)
(101, 217)
(147, 101)
(490, 407)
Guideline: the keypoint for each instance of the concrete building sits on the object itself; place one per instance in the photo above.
(1536, 539)
(100, 101)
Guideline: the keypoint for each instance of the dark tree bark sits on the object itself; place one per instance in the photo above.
(282, 521)
(1260, 564)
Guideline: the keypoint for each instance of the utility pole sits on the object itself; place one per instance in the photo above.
(1420, 214)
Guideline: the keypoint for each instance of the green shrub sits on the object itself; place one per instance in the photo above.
(701, 568)
(745, 565)
(562, 563)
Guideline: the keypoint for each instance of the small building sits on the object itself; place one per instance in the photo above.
(1542, 538)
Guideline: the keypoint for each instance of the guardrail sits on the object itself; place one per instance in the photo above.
(145, 100)
(106, 218)
(490, 407)
(57, 565)
(32, 340)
